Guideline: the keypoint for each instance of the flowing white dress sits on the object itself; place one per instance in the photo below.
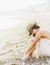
(43, 47)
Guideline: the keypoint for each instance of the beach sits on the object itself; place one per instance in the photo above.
(14, 51)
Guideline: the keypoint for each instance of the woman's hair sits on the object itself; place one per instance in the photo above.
(33, 26)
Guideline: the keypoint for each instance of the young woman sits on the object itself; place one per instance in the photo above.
(39, 34)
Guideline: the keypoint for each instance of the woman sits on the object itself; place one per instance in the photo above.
(39, 34)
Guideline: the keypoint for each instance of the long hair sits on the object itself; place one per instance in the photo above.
(34, 26)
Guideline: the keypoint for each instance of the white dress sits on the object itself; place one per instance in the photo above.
(43, 47)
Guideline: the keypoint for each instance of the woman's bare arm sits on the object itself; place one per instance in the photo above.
(34, 42)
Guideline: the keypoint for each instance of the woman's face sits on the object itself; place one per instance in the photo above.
(34, 32)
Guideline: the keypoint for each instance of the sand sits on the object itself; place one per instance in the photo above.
(15, 53)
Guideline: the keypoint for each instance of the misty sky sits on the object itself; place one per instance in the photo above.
(7, 5)
(10, 10)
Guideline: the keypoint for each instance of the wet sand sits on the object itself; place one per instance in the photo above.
(15, 53)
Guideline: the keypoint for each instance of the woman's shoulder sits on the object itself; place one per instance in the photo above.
(41, 32)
